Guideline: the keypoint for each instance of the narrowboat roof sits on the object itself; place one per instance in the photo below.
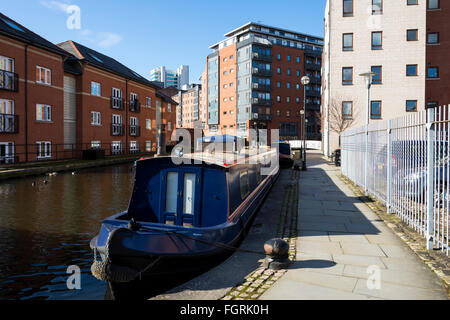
(222, 159)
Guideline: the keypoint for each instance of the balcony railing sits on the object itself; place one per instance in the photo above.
(117, 103)
(9, 123)
(135, 131)
(262, 57)
(313, 93)
(262, 72)
(117, 130)
(313, 66)
(135, 106)
(9, 81)
(262, 87)
(262, 102)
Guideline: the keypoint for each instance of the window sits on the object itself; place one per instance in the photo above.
(44, 149)
(347, 109)
(288, 72)
(96, 118)
(43, 75)
(169, 126)
(95, 89)
(433, 4)
(278, 84)
(433, 38)
(375, 109)
(377, 40)
(169, 107)
(288, 113)
(116, 147)
(347, 76)
(412, 35)
(432, 104)
(148, 124)
(298, 59)
(288, 85)
(288, 99)
(347, 42)
(245, 184)
(348, 8)
(96, 144)
(148, 102)
(411, 70)
(43, 112)
(279, 70)
(278, 57)
(148, 146)
(411, 105)
(288, 58)
(278, 99)
(377, 6)
(134, 146)
(433, 72)
(412, 2)
(278, 113)
(297, 86)
(377, 78)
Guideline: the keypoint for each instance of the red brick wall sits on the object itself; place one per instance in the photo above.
(437, 55)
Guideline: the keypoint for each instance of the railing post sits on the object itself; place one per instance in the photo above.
(430, 179)
(389, 168)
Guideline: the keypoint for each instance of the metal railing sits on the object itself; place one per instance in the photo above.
(9, 81)
(9, 123)
(117, 103)
(135, 106)
(26, 155)
(407, 167)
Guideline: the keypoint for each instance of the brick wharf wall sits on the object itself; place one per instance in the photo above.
(437, 90)
(52, 95)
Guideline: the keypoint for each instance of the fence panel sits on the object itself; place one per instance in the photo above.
(408, 169)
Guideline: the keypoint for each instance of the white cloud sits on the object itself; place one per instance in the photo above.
(55, 5)
(102, 39)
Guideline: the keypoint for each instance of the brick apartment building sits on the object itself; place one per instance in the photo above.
(31, 94)
(253, 81)
(58, 100)
(114, 105)
(405, 43)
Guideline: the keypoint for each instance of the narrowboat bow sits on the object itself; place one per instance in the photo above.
(182, 218)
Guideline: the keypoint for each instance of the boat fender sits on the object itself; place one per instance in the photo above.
(107, 271)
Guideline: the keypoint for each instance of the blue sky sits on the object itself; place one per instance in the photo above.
(146, 34)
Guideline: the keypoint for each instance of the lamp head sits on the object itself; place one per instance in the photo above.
(368, 77)
(305, 80)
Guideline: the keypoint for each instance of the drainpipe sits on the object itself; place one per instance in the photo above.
(127, 105)
(26, 103)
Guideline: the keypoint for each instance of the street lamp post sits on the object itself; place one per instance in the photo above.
(305, 81)
(368, 77)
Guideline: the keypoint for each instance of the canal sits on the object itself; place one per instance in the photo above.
(46, 224)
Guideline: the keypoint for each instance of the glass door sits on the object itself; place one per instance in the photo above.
(180, 199)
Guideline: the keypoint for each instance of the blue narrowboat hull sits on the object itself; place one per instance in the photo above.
(155, 251)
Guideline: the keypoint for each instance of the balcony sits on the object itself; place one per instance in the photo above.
(316, 80)
(260, 72)
(262, 102)
(135, 131)
(262, 117)
(312, 107)
(262, 87)
(262, 57)
(117, 130)
(135, 106)
(117, 103)
(9, 123)
(312, 66)
(313, 93)
(9, 81)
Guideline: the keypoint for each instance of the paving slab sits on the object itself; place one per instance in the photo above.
(342, 244)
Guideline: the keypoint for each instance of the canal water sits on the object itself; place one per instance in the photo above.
(46, 224)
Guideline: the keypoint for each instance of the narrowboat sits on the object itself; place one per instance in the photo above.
(182, 218)
(286, 160)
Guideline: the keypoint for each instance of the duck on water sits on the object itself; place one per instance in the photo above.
(182, 218)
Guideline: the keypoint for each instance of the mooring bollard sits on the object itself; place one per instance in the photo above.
(277, 251)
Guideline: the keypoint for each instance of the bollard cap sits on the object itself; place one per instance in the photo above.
(277, 248)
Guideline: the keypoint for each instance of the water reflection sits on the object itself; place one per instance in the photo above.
(46, 224)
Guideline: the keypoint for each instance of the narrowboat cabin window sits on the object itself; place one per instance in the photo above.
(245, 185)
(171, 192)
(189, 193)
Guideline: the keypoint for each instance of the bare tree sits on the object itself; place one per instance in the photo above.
(337, 120)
